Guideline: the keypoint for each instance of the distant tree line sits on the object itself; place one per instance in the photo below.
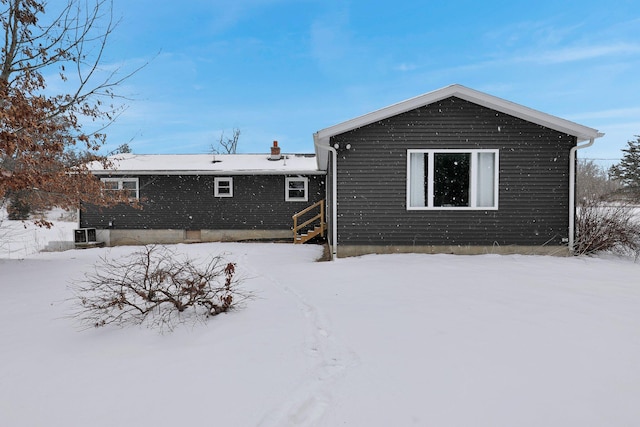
(607, 200)
(620, 181)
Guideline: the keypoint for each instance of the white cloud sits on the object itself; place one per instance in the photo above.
(615, 113)
(405, 67)
(578, 53)
(538, 33)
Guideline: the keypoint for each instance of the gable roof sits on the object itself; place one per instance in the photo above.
(203, 164)
(582, 133)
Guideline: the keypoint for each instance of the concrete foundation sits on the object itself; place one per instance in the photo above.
(144, 237)
(356, 250)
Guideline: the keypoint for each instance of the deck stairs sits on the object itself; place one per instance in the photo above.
(309, 223)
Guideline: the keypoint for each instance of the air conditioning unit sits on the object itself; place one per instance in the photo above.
(84, 235)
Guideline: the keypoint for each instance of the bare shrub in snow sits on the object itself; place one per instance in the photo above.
(605, 226)
(158, 287)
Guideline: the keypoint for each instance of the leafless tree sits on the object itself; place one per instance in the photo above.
(227, 145)
(41, 132)
(593, 182)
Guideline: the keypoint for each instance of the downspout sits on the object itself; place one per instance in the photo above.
(572, 191)
(334, 196)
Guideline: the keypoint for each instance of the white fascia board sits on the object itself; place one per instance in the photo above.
(582, 133)
(322, 156)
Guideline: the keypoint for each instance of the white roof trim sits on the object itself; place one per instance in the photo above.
(583, 133)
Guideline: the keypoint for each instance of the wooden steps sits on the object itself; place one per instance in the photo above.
(310, 234)
(302, 232)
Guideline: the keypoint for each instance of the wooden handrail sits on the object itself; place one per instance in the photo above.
(297, 227)
(304, 224)
(304, 211)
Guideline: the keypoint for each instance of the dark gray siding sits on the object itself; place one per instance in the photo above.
(533, 187)
(187, 203)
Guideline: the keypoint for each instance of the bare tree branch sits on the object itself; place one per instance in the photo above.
(41, 133)
(227, 145)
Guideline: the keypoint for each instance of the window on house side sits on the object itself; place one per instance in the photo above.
(223, 187)
(296, 189)
(130, 185)
(452, 179)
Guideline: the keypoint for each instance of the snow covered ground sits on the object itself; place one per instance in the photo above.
(19, 239)
(379, 340)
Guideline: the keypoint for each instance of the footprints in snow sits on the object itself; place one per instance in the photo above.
(309, 402)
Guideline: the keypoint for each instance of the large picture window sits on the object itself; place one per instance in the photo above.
(130, 185)
(452, 179)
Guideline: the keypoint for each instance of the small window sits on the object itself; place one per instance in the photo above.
(130, 185)
(223, 187)
(296, 189)
(452, 179)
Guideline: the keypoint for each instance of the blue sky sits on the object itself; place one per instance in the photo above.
(284, 69)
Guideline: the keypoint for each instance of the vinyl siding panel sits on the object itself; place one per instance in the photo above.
(188, 203)
(533, 179)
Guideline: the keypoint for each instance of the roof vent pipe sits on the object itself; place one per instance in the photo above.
(275, 152)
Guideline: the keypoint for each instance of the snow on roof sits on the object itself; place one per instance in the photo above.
(208, 164)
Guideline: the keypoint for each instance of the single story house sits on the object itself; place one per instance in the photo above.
(205, 197)
(454, 170)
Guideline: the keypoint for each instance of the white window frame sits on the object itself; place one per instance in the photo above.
(121, 182)
(216, 186)
(287, 189)
(473, 182)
